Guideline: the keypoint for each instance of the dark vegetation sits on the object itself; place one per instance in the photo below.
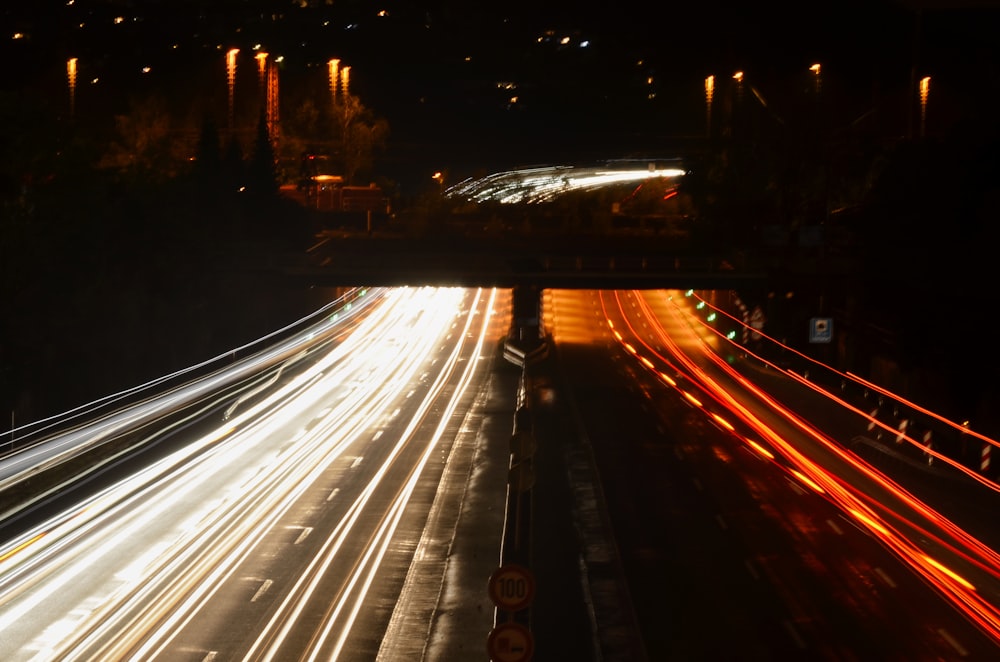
(887, 228)
(112, 275)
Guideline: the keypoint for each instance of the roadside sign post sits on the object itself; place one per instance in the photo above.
(510, 642)
(757, 320)
(821, 330)
(512, 587)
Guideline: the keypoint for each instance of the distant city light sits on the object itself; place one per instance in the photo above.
(146, 70)
(585, 43)
(18, 35)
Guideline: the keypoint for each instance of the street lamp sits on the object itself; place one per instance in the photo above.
(816, 71)
(334, 64)
(231, 76)
(709, 94)
(261, 58)
(71, 76)
(738, 77)
(925, 88)
(345, 79)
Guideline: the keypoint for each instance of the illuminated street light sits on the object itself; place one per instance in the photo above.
(816, 70)
(709, 94)
(334, 64)
(925, 88)
(267, 84)
(738, 77)
(231, 74)
(261, 70)
(345, 79)
(71, 77)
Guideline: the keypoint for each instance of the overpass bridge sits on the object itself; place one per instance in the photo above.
(529, 262)
(524, 268)
(597, 263)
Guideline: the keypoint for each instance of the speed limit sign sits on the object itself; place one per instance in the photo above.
(512, 587)
(510, 642)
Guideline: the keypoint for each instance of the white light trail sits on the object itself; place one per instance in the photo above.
(186, 522)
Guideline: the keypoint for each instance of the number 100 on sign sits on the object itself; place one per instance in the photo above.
(512, 587)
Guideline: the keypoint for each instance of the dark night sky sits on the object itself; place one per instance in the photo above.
(432, 68)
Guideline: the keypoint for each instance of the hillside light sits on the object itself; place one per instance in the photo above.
(925, 89)
(334, 65)
(231, 78)
(816, 72)
(261, 58)
(709, 94)
(345, 80)
(71, 79)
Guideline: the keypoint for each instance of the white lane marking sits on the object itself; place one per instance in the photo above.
(885, 577)
(961, 650)
(794, 634)
(262, 590)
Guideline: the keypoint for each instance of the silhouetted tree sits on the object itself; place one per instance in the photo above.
(360, 135)
(232, 163)
(262, 176)
(144, 146)
(208, 157)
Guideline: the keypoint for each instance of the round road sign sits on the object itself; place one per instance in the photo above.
(512, 587)
(510, 642)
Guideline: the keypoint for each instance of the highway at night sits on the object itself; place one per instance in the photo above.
(734, 514)
(282, 529)
(306, 509)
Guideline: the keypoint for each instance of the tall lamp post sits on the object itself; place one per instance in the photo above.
(334, 65)
(816, 69)
(709, 94)
(925, 89)
(345, 79)
(231, 76)
(261, 58)
(71, 78)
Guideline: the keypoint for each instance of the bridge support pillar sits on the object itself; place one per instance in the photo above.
(527, 309)
(525, 342)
